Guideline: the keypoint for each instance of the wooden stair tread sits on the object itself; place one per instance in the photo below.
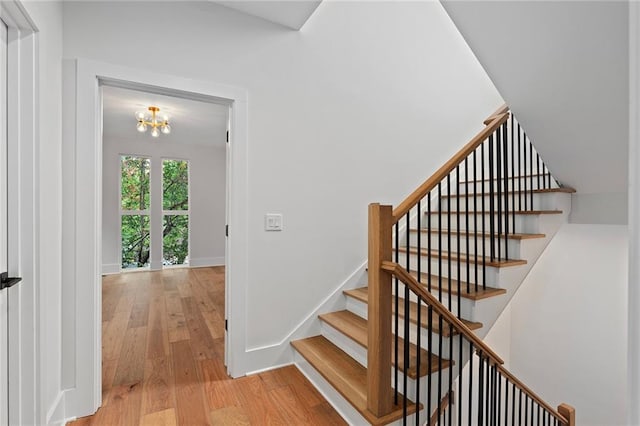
(362, 294)
(563, 190)
(346, 375)
(516, 236)
(472, 294)
(518, 212)
(462, 257)
(355, 327)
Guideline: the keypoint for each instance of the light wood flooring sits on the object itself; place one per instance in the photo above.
(162, 360)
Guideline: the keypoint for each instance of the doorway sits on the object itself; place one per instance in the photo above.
(82, 199)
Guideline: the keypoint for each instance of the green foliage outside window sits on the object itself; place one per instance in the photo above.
(135, 195)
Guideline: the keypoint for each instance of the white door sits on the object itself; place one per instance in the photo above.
(4, 307)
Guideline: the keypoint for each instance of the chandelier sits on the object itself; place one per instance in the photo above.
(151, 119)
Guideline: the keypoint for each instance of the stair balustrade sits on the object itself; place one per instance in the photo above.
(435, 247)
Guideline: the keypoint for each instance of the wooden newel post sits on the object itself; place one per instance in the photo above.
(379, 392)
(569, 413)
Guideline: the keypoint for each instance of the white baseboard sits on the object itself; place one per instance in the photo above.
(281, 353)
(110, 268)
(56, 413)
(207, 261)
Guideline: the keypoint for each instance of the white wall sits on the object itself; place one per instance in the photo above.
(563, 68)
(565, 331)
(207, 167)
(360, 106)
(48, 18)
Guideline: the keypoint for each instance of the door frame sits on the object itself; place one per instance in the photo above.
(23, 204)
(82, 216)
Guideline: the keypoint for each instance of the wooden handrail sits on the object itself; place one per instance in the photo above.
(504, 108)
(513, 379)
(402, 274)
(443, 171)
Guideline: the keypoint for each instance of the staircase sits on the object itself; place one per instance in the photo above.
(407, 347)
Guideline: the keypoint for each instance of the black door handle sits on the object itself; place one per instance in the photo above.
(6, 281)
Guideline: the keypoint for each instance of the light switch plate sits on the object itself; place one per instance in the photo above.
(273, 222)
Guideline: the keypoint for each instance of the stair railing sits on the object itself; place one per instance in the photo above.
(487, 393)
(499, 161)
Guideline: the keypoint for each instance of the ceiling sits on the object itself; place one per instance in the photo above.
(289, 13)
(192, 122)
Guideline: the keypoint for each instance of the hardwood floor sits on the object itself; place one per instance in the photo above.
(162, 360)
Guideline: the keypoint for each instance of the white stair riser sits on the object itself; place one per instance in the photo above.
(360, 308)
(541, 201)
(517, 184)
(524, 223)
(443, 239)
(466, 305)
(442, 269)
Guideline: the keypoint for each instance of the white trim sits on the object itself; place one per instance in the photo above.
(206, 261)
(56, 414)
(23, 148)
(82, 198)
(110, 268)
(633, 351)
(281, 353)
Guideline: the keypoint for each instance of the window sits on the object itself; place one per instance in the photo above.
(175, 211)
(134, 211)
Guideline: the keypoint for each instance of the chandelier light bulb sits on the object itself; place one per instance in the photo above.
(158, 123)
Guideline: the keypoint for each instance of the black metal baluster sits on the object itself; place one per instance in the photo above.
(396, 301)
(470, 407)
(506, 401)
(440, 242)
(519, 168)
(407, 321)
(526, 409)
(499, 400)
(439, 362)
(488, 393)
(429, 236)
(484, 269)
(513, 404)
(538, 415)
(419, 242)
(491, 202)
(429, 362)
(460, 378)
(520, 408)
(418, 354)
(458, 231)
(418, 326)
(538, 167)
(524, 182)
(531, 171)
(475, 218)
(532, 410)
(450, 387)
(449, 260)
(505, 145)
(466, 215)
(480, 387)
(513, 182)
(499, 185)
